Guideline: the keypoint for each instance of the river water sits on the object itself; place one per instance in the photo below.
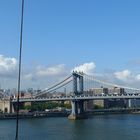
(100, 127)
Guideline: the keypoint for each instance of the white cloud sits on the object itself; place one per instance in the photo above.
(87, 68)
(138, 77)
(28, 76)
(123, 75)
(7, 64)
(50, 71)
(42, 76)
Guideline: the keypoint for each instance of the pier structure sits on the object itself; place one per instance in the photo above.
(77, 105)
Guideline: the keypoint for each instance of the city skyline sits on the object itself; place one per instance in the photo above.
(99, 38)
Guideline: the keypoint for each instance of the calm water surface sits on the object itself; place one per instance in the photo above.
(109, 127)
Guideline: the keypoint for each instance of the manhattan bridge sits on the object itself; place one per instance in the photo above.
(78, 88)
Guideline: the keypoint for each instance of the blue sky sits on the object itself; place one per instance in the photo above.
(72, 33)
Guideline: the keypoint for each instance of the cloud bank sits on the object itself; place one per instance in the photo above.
(50, 71)
(123, 75)
(8, 66)
(87, 68)
(41, 76)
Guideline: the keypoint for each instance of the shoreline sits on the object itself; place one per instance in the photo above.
(44, 114)
(33, 115)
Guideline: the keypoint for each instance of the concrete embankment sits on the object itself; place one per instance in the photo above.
(33, 115)
(66, 114)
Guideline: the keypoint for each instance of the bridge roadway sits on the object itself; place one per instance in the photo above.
(79, 97)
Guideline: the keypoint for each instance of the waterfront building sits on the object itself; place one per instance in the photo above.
(107, 103)
(116, 90)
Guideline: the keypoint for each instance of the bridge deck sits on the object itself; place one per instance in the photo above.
(79, 97)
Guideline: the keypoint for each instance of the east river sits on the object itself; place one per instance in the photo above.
(100, 127)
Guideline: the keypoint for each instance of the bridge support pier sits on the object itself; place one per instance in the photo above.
(77, 105)
(77, 110)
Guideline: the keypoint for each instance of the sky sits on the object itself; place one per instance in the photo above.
(99, 37)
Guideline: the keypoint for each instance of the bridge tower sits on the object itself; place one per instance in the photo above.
(77, 105)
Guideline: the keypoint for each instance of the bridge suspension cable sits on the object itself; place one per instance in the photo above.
(59, 83)
(113, 85)
(56, 86)
(88, 84)
(92, 78)
(60, 86)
